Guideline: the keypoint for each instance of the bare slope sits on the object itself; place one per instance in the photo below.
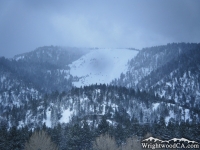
(101, 66)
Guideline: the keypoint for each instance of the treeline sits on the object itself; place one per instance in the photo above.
(81, 136)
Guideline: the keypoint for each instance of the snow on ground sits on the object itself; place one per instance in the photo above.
(171, 115)
(169, 84)
(197, 92)
(48, 120)
(19, 57)
(3, 78)
(187, 115)
(101, 66)
(155, 105)
(66, 116)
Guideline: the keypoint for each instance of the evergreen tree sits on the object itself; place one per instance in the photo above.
(103, 126)
(3, 137)
(120, 135)
(86, 136)
(74, 140)
(14, 139)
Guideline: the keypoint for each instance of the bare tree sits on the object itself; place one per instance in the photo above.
(132, 144)
(40, 141)
(105, 142)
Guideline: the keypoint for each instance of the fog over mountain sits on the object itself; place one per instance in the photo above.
(25, 25)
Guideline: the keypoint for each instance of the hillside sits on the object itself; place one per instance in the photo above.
(122, 92)
(55, 55)
(101, 66)
(172, 71)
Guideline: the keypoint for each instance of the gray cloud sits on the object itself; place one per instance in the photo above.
(26, 25)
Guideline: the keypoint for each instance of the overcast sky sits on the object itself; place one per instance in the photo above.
(28, 24)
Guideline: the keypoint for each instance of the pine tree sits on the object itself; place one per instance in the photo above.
(86, 136)
(74, 139)
(103, 126)
(3, 138)
(14, 139)
(119, 134)
(56, 134)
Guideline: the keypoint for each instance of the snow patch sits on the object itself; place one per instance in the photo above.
(155, 106)
(3, 78)
(19, 57)
(197, 92)
(101, 66)
(66, 116)
(171, 115)
(48, 120)
(169, 84)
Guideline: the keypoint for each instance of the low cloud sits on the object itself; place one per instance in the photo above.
(26, 25)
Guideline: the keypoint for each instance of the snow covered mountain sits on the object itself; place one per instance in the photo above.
(171, 71)
(29, 76)
(27, 79)
(124, 92)
(101, 66)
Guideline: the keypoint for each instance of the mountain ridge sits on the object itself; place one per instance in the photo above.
(49, 76)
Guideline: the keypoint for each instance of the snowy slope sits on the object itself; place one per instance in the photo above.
(101, 66)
